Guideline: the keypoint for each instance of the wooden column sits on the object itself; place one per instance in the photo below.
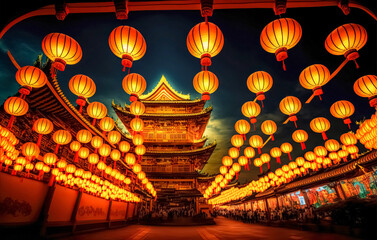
(267, 209)
(43, 216)
(108, 213)
(75, 209)
(128, 206)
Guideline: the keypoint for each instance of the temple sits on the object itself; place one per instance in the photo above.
(176, 148)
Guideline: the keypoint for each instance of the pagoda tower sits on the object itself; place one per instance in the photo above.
(176, 149)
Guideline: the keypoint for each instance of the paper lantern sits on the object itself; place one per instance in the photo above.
(348, 139)
(310, 156)
(290, 106)
(320, 125)
(96, 110)
(127, 181)
(275, 152)
(93, 159)
(313, 78)
(134, 84)
(227, 161)
(96, 142)
(124, 147)
(130, 159)
(15, 107)
(136, 168)
(223, 170)
(106, 124)
(75, 147)
(343, 154)
(127, 43)
(137, 125)
(243, 161)
(137, 108)
(366, 86)
(104, 151)
(332, 145)
(353, 150)
(236, 168)
(141, 175)
(343, 109)
(237, 141)
(242, 127)
(269, 127)
(320, 151)
(83, 87)
(113, 137)
(249, 152)
(83, 152)
(30, 77)
(258, 163)
(256, 142)
(287, 148)
(251, 110)
(300, 136)
(30, 150)
(259, 83)
(279, 36)
(233, 152)
(265, 159)
(140, 151)
(115, 156)
(50, 159)
(204, 41)
(205, 83)
(61, 137)
(42, 126)
(138, 139)
(84, 136)
(300, 161)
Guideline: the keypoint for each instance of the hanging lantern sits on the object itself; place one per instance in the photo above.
(84, 136)
(276, 153)
(138, 139)
(353, 150)
(290, 106)
(237, 141)
(243, 161)
(83, 153)
(124, 147)
(113, 137)
(223, 170)
(347, 40)
(83, 87)
(115, 156)
(343, 154)
(15, 107)
(140, 151)
(61, 137)
(141, 175)
(343, 109)
(233, 152)
(127, 181)
(332, 145)
(300, 136)
(127, 43)
(30, 150)
(269, 127)
(256, 142)
(279, 36)
(42, 126)
(227, 161)
(313, 78)
(96, 110)
(30, 77)
(287, 148)
(236, 168)
(75, 147)
(320, 125)
(251, 110)
(137, 108)
(320, 151)
(249, 152)
(101, 166)
(137, 125)
(96, 142)
(134, 84)
(258, 163)
(204, 41)
(300, 161)
(265, 159)
(104, 151)
(348, 139)
(242, 127)
(310, 156)
(205, 83)
(366, 86)
(130, 159)
(106, 124)
(93, 159)
(259, 83)
(62, 50)
(136, 168)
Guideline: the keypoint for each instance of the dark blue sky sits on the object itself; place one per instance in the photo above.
(165, 33)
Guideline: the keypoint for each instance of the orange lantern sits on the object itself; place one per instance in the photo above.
(353, 150)
(320, 151)
(130, 159)
(243, 161)
(104, 151)
(259, 83)
(106, 124)
(343, 109)
(50, 159)
(347, 40)
(279, 36)
(62, 50)
(17, 168)
(61, 137)
(237, 141)
(70, 168)
(205, 83)
(223, 170)
(30, 77)
(343, 154)
(75, 147)
(204, 41)
(290, 106)
(313, 78)
(141, 175)
(134, 84)
(137, 108)
(310, 156)
(300, 161)
(276, 153)
(127, 181)
(249, 152)
(348, 139)
(300, 136)
(251, 110)
(96, 110)
(320, 125)
(366, 86)
(137, 125)
(96, 142)
(42, 126)
(83, 152)
(124, 147)
(101, 166)
(113, 137)
(30, 150)
(287, 148)
(332, 145)
(269, 127)
(227, 161)
(266, 159)
(84, 136)
(256, 142)
(15, 107)
(83, 87)
(140, 151)
(136, 168)
(258, 163)
(93, 159)
(236, 168)
(233, 152)
(138, 139)
(242, 127)
(115, 156)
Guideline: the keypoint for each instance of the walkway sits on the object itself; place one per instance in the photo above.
(224, 229)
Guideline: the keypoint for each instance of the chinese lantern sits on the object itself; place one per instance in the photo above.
(236, 168)
(124, 147)
(259, 83)
(140, 151)
(62, 50)
(343, 154)
(61, 137)
(96, 110)
(310, 156)
(223, 170)
(276, 153)
(113, 137)
(343, 109)
(84, 136)
(138, 139)
(279, 36)
(28, 168)
(287, 148)
(104, 151)
(256, 142)
(300, 161)
(127, 181)
(106, 124)
(353, 150)
(251, 110)
(313, 78)
(137, 125)
(300, 136)
(30, 150)
(30, 77)
(237, 141)
(204, 41)
(320, 125)
(269, 127)
(50, 159)
(205, 83)
(332, 145)
(258, 163)
(141, 175)
(93, 159)
(101, 166)
(233, 152)
(83, 152)
(347, 40)
(83, 87)
(15, 107)
(75, 147)
(366, 86)
(96, 142)
(227, 161)
(243, 161)
(134, 84)
(290, 106)
(242, 127)
(137, 108)
(115, 156)
(127, 43)
(70, 168)
(42, 126)
(320, 151)
(249, 152)
(130, 159)
(136, 168)
(348, 139)
(266, 159)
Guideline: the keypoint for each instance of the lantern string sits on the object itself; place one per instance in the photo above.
(268, 139)
(13, 60)
(338, 69)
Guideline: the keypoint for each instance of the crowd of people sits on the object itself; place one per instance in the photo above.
(165, 214)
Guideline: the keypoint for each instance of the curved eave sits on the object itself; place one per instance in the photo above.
(208, 149)
(185, 102)
(172, 91)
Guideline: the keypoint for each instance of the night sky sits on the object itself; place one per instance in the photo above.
(165, 33)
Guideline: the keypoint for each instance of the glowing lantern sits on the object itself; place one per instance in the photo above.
(256, 142)
(242, 127)
(343, 109)
(292, 165)
(236, 168)
(227, 161)
(130, 159)
(137, 125)
(233, 152)
(249, 152)
(137, 108)
(258, 163)
(106, 124)
(243, 161)
(332, 145)
(205, 83)
(61, 137)
(366, 86)
(310, 156)
(265, 159)
(251, 110)
(300, 161)
(287, 148)
(320, 125)
(104, 151)
(127, 181)
(290, 106)
(96, 142)
(115, 156)
(313, 78)
(124, 147)
(83, 152)
(83, 87)
(343, 154)
(113, 137)
(138, 139)
(276, 153)
(93, 159)
(30, 150)
(70, 168)
(62, 50)
(204, 41)
(30, 77)
(96, 110)
(347, 40)
(84, 136)
(353, 150)
(79, 172)
(28, 168)
(75, 147)
(15, 107)
(101, 166)
(50, 158)
(279, 36)
(348, 139)
(136, 168)
(141, 175)
(300, 136)
(320, 151)
(140, 151)
(42, 126)
(223, 170)
(269, 127)
(134, 84)
(237, 141)
(259, 83)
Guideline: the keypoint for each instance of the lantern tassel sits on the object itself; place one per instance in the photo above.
(310, 99)
(94, 122)
(278, 160)
(357, 65)
(115, 164)
(237, 175)
(261, 171)
(259, 151)
(56, 149)
(39, 140)
(289, 155)
(302, 146)
(76, 158)
(284, 68)
(10, 123)
(324, 136)
(272, 137)
(268, 164)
